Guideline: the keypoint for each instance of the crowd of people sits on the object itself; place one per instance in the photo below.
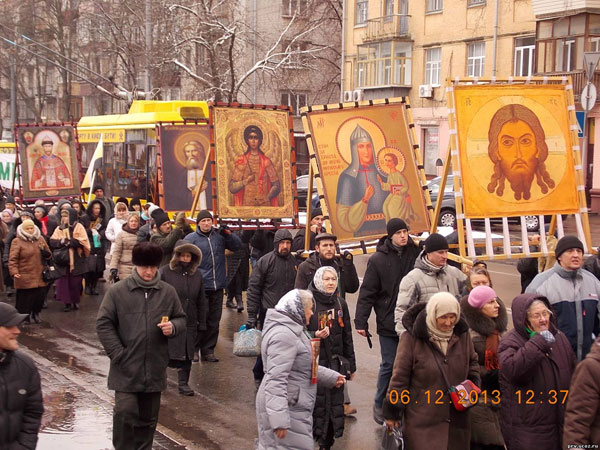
(439, 328)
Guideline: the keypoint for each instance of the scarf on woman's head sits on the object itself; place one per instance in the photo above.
(318, 279)
(438, 305)
(33, 237)
(291, 305)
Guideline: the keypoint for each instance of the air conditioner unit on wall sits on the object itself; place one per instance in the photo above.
(347, 96)
(357, 95)
(425, 91)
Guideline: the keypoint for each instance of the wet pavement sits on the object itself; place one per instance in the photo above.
(221, 415)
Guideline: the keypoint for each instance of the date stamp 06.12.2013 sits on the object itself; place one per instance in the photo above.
(440, 397)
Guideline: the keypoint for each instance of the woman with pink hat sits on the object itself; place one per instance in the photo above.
(486, 316)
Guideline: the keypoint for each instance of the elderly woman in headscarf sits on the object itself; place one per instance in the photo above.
(536, 364)
(27, 253)
(487, 318)
(436, 338)
(286, 397)
(331, 323)
(71, 240)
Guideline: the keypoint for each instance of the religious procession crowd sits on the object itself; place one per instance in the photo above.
(451, 375)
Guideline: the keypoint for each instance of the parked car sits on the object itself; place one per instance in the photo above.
(448, 208)
(302, 185)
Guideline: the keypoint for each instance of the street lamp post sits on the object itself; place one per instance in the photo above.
(588, 100)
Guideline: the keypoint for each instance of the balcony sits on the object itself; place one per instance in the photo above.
(387, 27)
(579, 81)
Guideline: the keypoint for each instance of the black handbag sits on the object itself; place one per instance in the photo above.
(51, 272)
(61, 257)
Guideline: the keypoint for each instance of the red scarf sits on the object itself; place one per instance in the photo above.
(491, 351)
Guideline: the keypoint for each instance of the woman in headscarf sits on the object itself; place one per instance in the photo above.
(486, 316)
(96, 211)
(116, 223)
(286, 397)
(7, 217)
(48, 223)
(331, 323)
(436, 339)
(27, 253)
(121, 263)
(536, 364)
(71, 235)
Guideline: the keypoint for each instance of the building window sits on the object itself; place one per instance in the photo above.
(296, 52)
(476, 59)
(434, 5)
(595, 44)
(431, 141)
(565, 55)
(362, 12)
(524, 56)
(476, 2)
(294, 101)
(384, 64)
(291, 7)
(388, 8)
(433, 62)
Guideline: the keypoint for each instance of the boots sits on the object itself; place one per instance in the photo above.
(88, 288)
(184, 388)
(93, 289)
(229, 303)
(240, 303)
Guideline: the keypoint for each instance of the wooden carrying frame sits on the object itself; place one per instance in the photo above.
(366, 245)
(464, 229)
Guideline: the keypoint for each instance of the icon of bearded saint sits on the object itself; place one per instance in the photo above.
(517, 147)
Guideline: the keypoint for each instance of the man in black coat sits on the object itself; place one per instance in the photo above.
(272, 277)
(325, 256)
(395, 257)
(135, 320)
(21, 405)
(316, 227)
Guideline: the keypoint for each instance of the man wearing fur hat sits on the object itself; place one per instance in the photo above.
(573, 293)
(212, 243)
(316, 227)
(135, 320)
(431, 275)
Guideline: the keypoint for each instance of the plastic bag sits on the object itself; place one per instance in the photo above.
(247, 342)
(392, 440)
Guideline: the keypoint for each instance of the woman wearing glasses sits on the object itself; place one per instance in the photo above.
(536, 364)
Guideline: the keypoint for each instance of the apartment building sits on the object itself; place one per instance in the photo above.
(410, 48)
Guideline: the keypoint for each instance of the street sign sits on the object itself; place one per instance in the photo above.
(588, 97)
(580, 123)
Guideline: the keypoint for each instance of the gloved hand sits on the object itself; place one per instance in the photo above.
(224, 230)
(550, 339)
(114, 274)
(74, 243)
(347, 257)
(251, 323)
(180, 220)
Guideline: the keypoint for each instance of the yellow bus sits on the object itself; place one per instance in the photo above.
(129, 144)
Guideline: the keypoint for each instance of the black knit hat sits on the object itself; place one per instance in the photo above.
(123, 200)
(435, 242)
(567, 242)
(160, 217)
(146, 254)
(316, 212)
(204, 214)
(395, 225)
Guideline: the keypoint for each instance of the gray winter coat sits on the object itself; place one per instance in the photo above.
(127, 328)
(422, 282)
(286, 397)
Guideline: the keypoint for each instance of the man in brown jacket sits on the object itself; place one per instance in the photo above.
(582, 416)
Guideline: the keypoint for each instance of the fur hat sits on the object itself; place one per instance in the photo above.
(204, 214)
(146, 254)
(435, 242)
(395, 225)
(565, 243)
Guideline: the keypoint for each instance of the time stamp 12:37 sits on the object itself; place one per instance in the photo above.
(440, 397)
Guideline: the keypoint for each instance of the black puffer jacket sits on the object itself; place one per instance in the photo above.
(379, 290)
(272, 277)
(188, 284)
(346, 270)
(592, 265)
(21, 405)
(330, 401)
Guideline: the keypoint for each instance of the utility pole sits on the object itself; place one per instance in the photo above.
(148, 47)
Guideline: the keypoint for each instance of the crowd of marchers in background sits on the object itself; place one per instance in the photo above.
(438, 327)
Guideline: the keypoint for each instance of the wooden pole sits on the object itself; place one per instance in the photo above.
(198, 189)
(308, 208)
(440, 199)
